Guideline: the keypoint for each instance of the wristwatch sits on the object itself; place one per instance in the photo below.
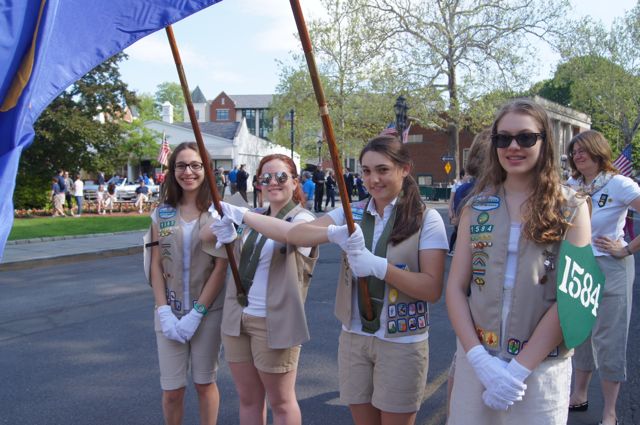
(200, 308)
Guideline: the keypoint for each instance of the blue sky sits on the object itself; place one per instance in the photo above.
(235, 45)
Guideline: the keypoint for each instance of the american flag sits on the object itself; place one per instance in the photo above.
(623, 163)
(390, 130)
(165, 151)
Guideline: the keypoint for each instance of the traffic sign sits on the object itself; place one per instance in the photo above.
(447, 158)
(447, 167)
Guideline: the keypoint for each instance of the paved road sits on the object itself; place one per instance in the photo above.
(76, 347)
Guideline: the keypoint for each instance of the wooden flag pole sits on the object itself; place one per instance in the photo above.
(331, 140)
(203, 153)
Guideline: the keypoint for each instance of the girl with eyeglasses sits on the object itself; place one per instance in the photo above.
(612, 194)
(263, 330)
(187, 277)
(511, 363)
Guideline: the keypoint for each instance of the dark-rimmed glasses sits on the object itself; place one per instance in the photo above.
(280, 176)
(524, 140)
(181, 167)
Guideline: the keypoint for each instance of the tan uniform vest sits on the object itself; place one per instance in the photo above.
(289, 276)
(405, 315)
(534, 291)
(202, 260)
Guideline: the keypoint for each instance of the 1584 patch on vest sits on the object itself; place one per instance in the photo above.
(168, 223)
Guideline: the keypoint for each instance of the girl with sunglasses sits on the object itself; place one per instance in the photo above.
(612, 194)
(400, 249)
(511, 363)
(187, 277)
(262, 332)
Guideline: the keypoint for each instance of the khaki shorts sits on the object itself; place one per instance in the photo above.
(201, 354)
(389, 375)
(251, 347)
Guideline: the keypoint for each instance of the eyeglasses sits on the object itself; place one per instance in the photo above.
(577, 152)
(524, 140)
(193, 166)
(281, 178)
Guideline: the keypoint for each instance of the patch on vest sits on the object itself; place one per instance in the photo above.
(166, 212)
(163, 233)
(486, 203)
(483, 218)
(168, 223)
(603, 200)
(410, 317)
(357, 213)
(487, 337)
(480, 228)
(479, 264)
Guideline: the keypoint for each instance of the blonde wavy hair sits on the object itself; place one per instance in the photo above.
(543, 221)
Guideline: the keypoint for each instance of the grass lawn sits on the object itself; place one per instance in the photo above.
(27, 228)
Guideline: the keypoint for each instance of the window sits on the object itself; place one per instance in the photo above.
(425, 180)
(222, 100)
(415, 138)
(250, 116)
(222, 115)
(465, 157)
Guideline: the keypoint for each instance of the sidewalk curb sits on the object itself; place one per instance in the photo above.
(69, 258)
(62, 238)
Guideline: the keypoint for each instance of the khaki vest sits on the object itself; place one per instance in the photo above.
(289, 277)
(405, 315)
(202, 260)
(535, 286)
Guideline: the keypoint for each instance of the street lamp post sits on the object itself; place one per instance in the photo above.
(292, 115)
(400, 108)
(319, 144)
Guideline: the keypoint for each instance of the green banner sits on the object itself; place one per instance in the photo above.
(580, 285)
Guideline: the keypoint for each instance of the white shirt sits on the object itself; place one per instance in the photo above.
(608, 219)
(78, 188)
(187, 228)
(257, 295)
(510, 272)
(432, 236)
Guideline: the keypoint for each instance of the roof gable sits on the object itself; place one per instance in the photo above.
(226, 130)
(197, 96)
(252, 101)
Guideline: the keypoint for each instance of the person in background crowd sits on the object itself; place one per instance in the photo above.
(68, 189)
(349, 182)
(330, 184)
(501, 290)
(57, 198)
(101, 178)
(100, 199)
(233, 180)
(241, 181)
(309, 188)
(78, 193)
(187, 278)
(262, 331)
(612, 194)
(362, 191)
(142, 196)
(257, 192)
(145, 177)
(220, 182)
(109, 198)
(319, 180)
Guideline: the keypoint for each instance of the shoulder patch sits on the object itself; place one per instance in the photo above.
(165, 212)
(485, 203)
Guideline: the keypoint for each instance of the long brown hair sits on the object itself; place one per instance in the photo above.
(596, 146)
(171, 191)
(298, 196)
(543, 221)
(410, 207)
(478, 153)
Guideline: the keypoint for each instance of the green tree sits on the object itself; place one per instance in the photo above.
(74, 131)
(466, 48)
(148, 108)
(172, 93)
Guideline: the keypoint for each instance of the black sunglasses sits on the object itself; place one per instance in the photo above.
(281, 178)
(524, 140)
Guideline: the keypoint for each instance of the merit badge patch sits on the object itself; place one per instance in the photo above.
(420, 306)
(413, 324)
(393, 295)
(486, 203)
(392, 311)
(167, 212)
(422, 323)
(603, 200)
(402, 309)
(392, 327)
(491, 339)
(483, 218)
(513, 346)
(412, 309)
(402, 325)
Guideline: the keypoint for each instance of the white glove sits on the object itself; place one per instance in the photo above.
(340, 235)
(363, 263)
(236, 214)
(495, 377)
(495, 397)
(188, 324)
(355, 243)
(223, 229)
(168, 323)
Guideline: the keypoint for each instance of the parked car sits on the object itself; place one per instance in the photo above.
(125, 190)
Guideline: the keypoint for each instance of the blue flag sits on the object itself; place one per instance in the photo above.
(46, 46)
